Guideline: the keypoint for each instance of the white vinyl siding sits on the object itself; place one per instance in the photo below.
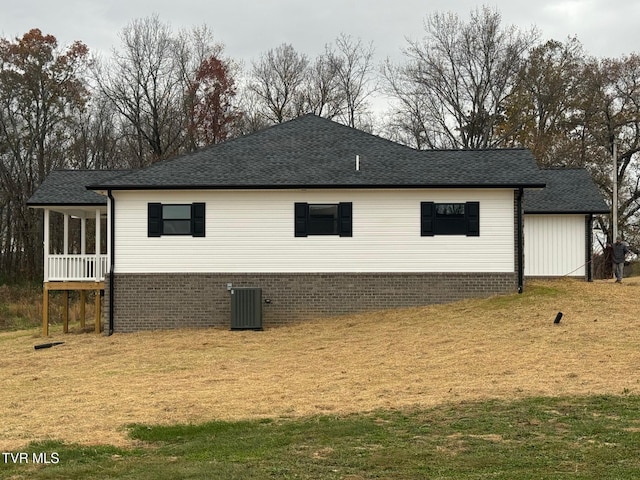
(253, 231)
(554, 245)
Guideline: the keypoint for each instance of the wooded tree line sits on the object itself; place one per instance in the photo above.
(468, 83)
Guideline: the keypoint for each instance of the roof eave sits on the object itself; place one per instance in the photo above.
(313, 186)
(59, 204)
(567, 212)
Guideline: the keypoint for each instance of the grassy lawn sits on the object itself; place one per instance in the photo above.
(480, 389)
(20, 306)
(537, 438)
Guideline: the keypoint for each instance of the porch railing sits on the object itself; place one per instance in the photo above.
(76, 267)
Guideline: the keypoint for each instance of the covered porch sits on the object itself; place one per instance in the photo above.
(79, 265)
(75, 234)
(73, 263)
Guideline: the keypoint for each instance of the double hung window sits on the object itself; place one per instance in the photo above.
(323, 219)
(176, 219)
(450, 219)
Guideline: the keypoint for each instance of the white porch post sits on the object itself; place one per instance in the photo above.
(45, 291)
(66, 235)
(98, 273)
(83, 235)
(45, 245)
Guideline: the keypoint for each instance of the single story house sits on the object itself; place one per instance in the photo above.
(323, 218)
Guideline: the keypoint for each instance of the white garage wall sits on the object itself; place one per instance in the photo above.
(554, 245)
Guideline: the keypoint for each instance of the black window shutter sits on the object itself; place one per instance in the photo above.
(345, 219)
(154, 219)
(472, 215)
(197, 219)
(427, 218)
(301, 213)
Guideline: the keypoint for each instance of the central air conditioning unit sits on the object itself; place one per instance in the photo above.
(246, 308)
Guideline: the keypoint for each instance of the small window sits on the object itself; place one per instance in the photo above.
(176, 219)
(168, 219)
(450, 219)
(323, 219)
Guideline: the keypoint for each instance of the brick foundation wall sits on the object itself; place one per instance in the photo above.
(176, 300)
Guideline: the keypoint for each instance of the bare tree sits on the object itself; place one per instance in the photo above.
(276, 80)
(150, 82)
(462, 74)
(411, 122)
(144, 84)
(95, 143)
(352, 64)
(337, 84)
(320, 91)
(252, 118)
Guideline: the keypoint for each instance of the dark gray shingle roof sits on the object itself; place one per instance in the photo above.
(567, 191)
(315, 152)
(67, 187)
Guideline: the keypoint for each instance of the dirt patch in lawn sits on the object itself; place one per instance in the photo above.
(89, 388)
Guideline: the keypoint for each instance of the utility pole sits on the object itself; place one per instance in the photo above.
(615, 193)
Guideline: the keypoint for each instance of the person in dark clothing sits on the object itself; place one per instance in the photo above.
(619, 254)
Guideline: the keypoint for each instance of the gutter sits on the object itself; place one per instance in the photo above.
(520, 235)
(112, 223)
(567, 212)
(314, 186)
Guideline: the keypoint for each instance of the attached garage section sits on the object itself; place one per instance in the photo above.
(558, 222)
(554, 245)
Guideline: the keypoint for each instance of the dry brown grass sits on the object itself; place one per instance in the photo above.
(86, 390)
(21, 306)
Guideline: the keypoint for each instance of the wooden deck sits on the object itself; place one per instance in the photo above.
(66, 287)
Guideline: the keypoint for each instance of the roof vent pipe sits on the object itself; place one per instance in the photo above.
(357, 163)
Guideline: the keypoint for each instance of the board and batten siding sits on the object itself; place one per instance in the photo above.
(554, 245)
(253, 231)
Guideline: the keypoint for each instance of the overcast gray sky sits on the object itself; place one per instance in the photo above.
(250, 27)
